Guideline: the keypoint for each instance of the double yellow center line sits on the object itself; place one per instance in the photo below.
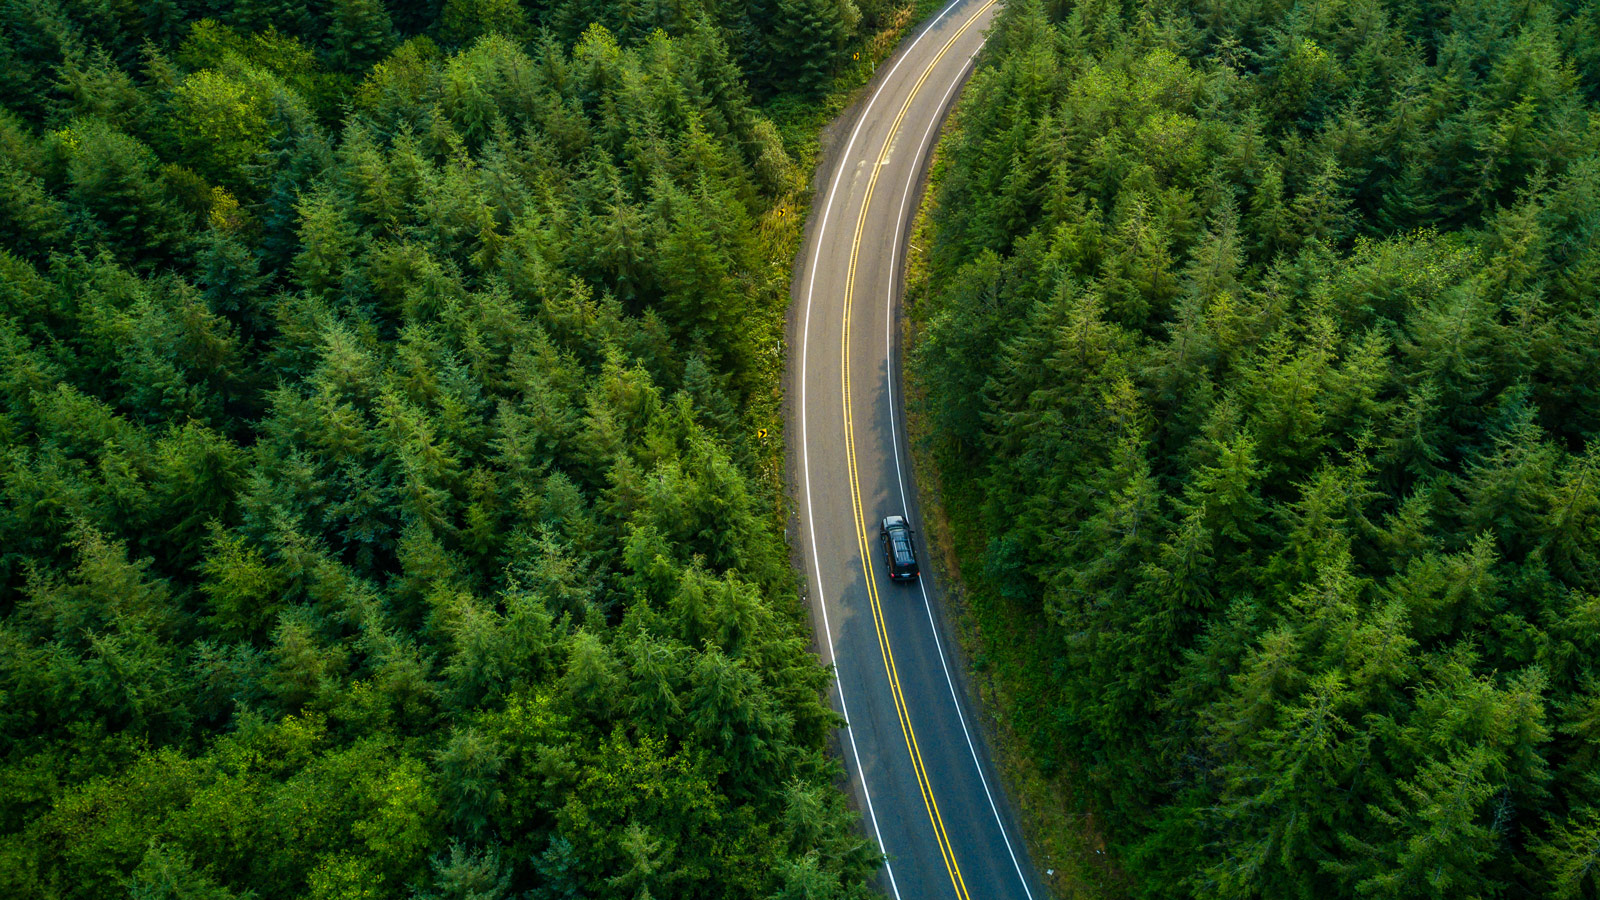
(946, 849)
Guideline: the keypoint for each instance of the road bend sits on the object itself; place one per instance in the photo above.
(918, 765)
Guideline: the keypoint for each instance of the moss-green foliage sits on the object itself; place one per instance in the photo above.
(377, 511)
(1266, 332)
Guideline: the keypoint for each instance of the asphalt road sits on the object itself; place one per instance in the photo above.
(917, 761)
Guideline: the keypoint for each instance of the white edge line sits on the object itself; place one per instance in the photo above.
(888, 351)
(805, 447)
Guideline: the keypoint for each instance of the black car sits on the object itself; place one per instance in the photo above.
(898, 551)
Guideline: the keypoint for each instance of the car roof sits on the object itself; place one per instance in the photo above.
(892, 521)
(902, 549)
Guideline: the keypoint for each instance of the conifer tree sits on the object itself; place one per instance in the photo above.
(359, 34)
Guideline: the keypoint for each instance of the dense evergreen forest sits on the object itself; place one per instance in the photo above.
(379, 509)
(1262, 352)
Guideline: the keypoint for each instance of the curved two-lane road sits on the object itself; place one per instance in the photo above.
(917, 762)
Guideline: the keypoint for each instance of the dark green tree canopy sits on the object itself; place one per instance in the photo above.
(1260, 348)
(377, 511)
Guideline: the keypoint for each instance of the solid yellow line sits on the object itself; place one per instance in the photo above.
(946, 849)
